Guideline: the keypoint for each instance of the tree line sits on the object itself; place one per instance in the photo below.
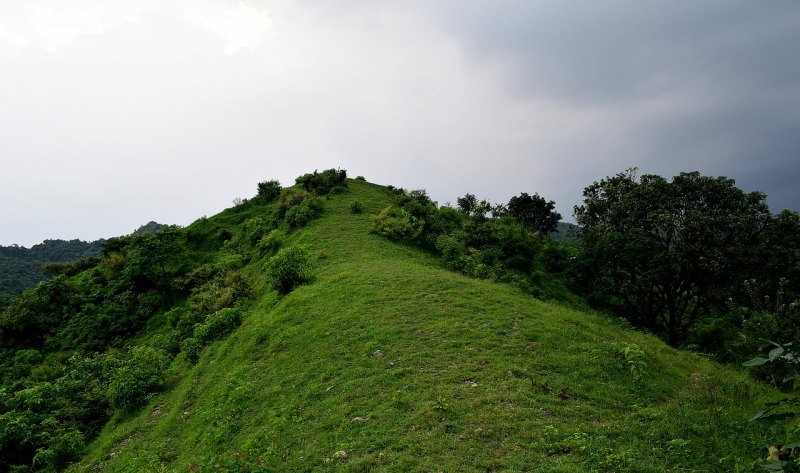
(695, 259)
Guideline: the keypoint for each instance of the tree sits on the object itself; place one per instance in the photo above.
(664, 254)
(534, 213)
(269, 190)
(471, 207)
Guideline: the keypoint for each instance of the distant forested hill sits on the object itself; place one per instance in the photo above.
(21, 268)
(566, 233)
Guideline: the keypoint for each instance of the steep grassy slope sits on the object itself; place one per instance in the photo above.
(399, 365)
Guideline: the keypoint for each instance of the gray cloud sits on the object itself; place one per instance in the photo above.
(168, 110)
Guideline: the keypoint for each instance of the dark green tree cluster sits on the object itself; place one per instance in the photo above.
(673, 256)
(268, 190)
(321, 183)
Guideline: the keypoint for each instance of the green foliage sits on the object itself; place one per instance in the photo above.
(218, 325)
(45, 418)
(471, 207)
(397, 224)
(633, 357)
(496, 247)
(21, 268)
(299, 215)
(298, 207)
(782, 416)
(464, 375)
(269, 190)
(353, 364)
(139, 375)
(271, 243)
(223, 291)
(255, 228)
(356, 207)
(665, 254)
(290, 197)
(321, 183)
(534, 213)
(289, 268)
(215, 327)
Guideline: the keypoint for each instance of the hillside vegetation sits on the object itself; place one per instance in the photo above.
(286, 334)
(21, 268)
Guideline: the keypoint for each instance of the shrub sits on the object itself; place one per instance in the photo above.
(323, 182)
(218, 325)
(215, 327)
(291, 197)
(289, 268)
(397, 224)
(271, 243)
(633, 359)
(138, 376)
(269, 190)
(360, 178)
(191, 348)
(255, 228)
(453, 250)
(304, 212)
(356, 207)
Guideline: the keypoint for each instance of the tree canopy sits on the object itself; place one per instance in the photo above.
(534, 213)
(666, 253)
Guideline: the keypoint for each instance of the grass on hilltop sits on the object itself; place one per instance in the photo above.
(399, 365)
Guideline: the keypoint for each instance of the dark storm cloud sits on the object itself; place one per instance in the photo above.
(727, 76)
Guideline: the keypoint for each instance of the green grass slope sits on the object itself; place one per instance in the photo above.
(386, 362)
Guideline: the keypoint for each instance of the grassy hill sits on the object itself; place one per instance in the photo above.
(387, 362)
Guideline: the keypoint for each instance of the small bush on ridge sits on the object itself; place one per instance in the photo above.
(269, 190)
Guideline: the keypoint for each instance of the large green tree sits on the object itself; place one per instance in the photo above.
(534, 213)
(666, 253)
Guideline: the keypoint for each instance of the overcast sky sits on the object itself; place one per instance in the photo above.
(114, 113)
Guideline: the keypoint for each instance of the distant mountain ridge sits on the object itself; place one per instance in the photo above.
(566, 233)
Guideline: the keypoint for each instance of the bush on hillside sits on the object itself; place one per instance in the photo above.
(304, 212)
(271, 243)
(289, 268)
(356, 207)
(323, 182)
(138, 376)
(255, 228)
(397, 224)
(269, 190)
(291, 197)
(218, 325)
(215, 327)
